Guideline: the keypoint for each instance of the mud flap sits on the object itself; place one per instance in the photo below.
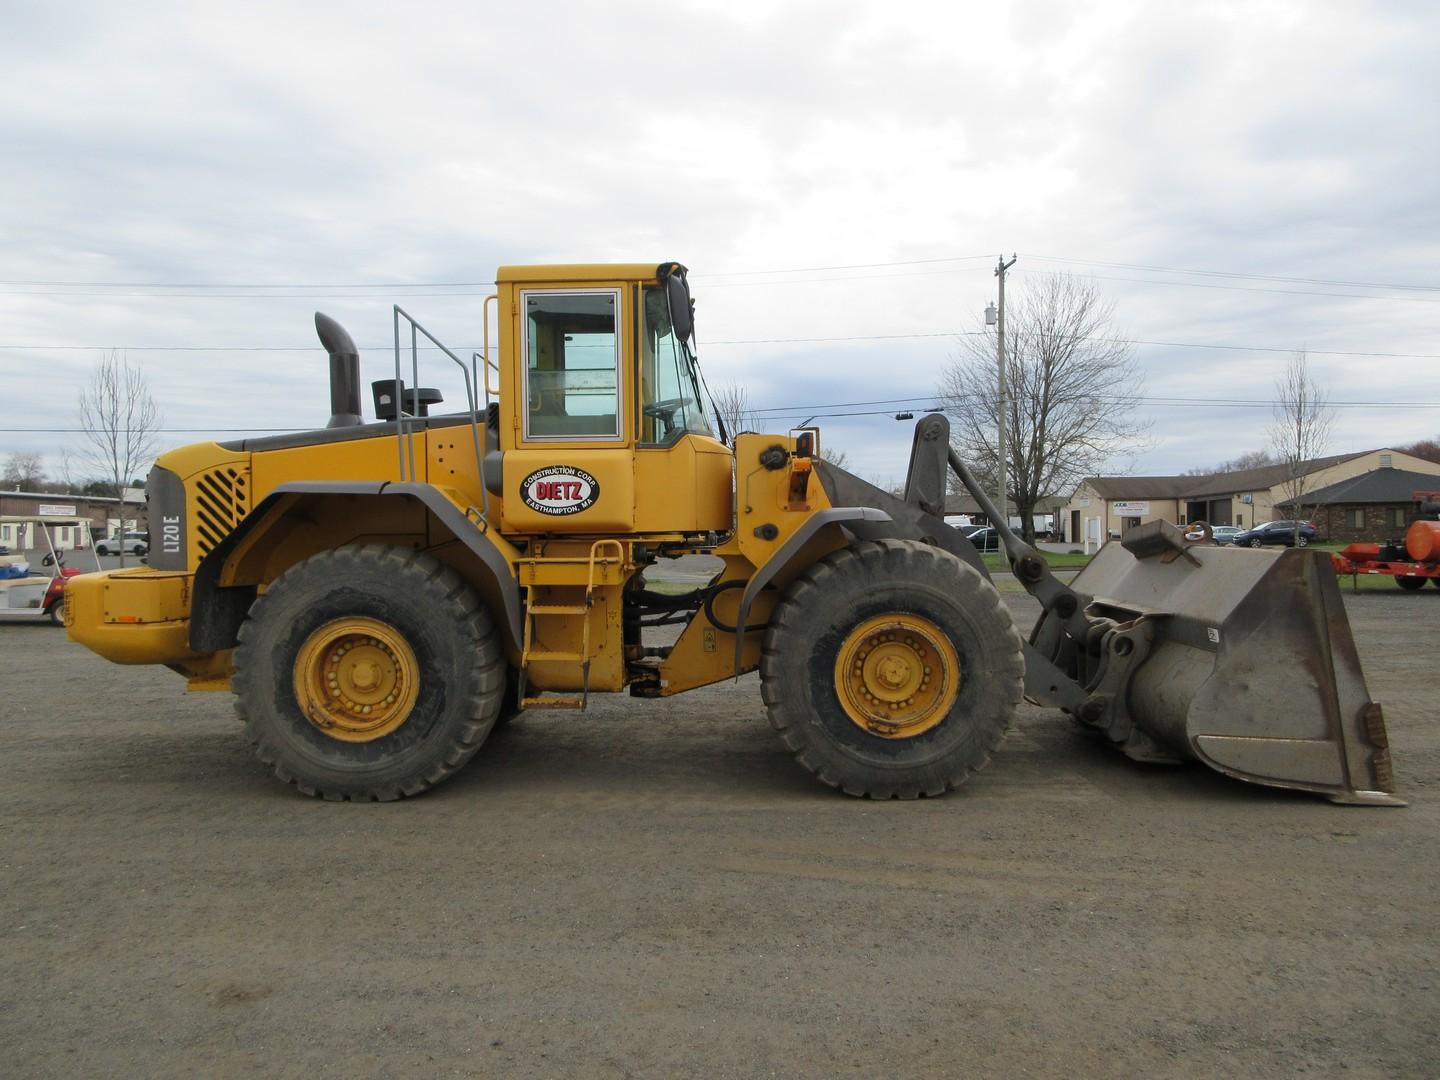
(1238, 658)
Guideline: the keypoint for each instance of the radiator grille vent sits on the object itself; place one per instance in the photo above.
(221, 500)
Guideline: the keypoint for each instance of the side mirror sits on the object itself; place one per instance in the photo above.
(682, 311)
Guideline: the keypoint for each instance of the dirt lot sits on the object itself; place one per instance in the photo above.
(654, 889)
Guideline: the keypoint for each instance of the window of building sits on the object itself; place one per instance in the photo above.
(1356, 518)
(572, 364)
(1398, 517)
(1387, 461)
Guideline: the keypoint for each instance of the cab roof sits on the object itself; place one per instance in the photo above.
(578, 272)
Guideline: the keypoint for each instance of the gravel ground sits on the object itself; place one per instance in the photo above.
(655, 889)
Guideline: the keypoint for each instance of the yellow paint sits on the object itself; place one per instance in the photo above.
(356, 679)
(897, 675)
(685, 487)
(132, 616)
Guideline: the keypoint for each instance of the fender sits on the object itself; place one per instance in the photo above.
(217, 611)
(785, 554)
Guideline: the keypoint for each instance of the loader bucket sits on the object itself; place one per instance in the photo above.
(1239, 658)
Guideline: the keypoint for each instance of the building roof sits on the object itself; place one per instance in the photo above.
(1266, 476)
(132, 495)
(966, 504)
(1375, 486)
(1196, 487)
(1138, 487)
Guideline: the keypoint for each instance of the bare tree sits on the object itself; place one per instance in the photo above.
(120, 421)
(1429, 449)
(835, 457)
(24, 471)
(732, 402)
(1300, 431)
(1072, 395)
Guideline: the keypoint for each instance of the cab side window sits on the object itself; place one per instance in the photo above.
(572, 364)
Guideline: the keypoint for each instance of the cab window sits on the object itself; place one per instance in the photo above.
(672, 398)
(572, 364)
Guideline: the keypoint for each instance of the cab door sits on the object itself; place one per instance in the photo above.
(573, 466)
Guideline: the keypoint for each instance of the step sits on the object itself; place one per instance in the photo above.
(557, 609)
(545, 654)
(552, 703)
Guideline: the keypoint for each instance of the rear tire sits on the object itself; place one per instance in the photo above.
(423, 635)
(821, 625)
(1410, 582)
(56, 611)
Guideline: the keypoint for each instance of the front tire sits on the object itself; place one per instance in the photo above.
(1410, 582)
(368, 673)
(1256, 544)
(891, 670)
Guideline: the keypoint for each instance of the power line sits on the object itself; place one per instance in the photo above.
(1256, 288)
(1103, 340)
(1143, 267)
(389, 346)
(249, 296)
(1232, 274)
(786, 412)
(251, 285)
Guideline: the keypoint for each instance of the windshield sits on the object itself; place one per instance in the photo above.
(673, 398)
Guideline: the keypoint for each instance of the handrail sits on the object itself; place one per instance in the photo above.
(401, 419)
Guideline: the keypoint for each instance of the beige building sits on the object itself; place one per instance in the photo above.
(1106, 506)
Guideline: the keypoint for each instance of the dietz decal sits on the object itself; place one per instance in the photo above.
(559, 490)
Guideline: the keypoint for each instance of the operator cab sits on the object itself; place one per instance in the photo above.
(610, 403)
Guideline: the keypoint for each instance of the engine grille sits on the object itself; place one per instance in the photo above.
(221, 500)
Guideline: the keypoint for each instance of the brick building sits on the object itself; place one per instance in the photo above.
(1108, 506)
(103, 514)
(1373, 507)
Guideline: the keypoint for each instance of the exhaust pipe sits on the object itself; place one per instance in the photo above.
(344, 372)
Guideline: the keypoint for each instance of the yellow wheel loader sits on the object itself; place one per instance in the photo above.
(379, 596)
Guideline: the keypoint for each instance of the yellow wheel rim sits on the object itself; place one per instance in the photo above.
(356, 679)
(897, 675)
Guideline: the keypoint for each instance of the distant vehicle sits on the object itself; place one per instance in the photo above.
(1224, 534)
(983, 537)
(1276, 532)
(28, 593)
(134, 543)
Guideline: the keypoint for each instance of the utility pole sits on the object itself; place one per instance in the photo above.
(1000, 498)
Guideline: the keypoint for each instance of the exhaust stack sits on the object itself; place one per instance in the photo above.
(344, 372)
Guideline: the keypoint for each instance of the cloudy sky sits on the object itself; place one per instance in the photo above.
(190, 182)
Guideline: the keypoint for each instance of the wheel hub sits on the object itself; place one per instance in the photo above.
(897, 675)
(356, 679)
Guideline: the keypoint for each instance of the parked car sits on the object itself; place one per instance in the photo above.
(1224, 534)
(133, 543)
(1276, 532)
(983, 537)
